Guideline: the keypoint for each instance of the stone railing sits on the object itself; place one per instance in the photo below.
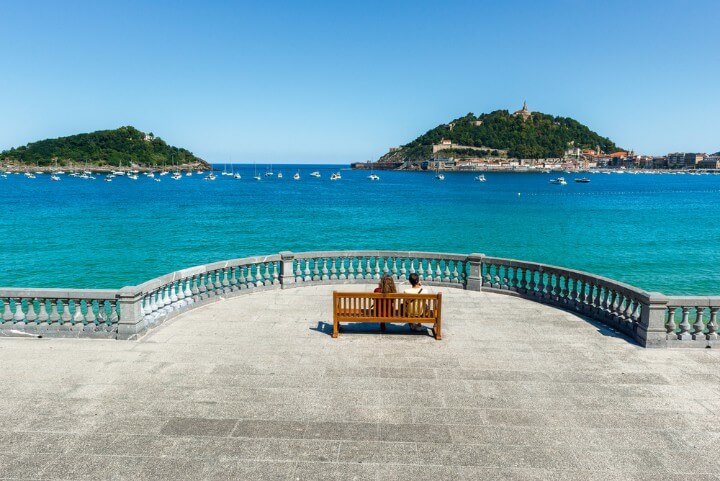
(59, 312)
(651, 319)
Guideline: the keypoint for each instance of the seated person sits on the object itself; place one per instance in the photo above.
(416, 288)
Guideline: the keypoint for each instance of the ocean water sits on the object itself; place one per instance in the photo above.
(658, 232)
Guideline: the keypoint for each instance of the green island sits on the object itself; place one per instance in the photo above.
(501, 134)
(125, 146)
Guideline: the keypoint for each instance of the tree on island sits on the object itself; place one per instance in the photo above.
(104, 147)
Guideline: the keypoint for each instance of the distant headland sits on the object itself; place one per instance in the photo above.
(523, 141)
(103, 149)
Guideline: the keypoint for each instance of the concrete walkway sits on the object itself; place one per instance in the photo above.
(255, 388)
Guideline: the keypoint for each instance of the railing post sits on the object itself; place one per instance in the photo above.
(474, 279)
(651, 330)
(131, 321)
(287, 274)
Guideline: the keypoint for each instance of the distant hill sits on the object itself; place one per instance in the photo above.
(125, 145)
(524, 134)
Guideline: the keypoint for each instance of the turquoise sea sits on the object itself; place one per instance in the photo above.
(658, 232)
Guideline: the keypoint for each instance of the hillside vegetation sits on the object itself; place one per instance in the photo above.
(539, 136)
(125, 145)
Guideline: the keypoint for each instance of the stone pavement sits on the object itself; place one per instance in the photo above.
(255, 388)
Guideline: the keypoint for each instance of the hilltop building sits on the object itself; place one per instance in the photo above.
(523, 112)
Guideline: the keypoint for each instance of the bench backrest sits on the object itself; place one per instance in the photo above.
(361, 306)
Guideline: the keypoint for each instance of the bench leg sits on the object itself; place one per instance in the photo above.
(382, 326)
(438, 331)
(336, 329)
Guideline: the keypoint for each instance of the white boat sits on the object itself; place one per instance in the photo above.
(256, 176)
(132, 176)
(188, 174)
(237, 176)
(164, 172)
(315, 174)
(109, 178)
(4, 176)
(372, 175)
(225, 171)
(54, 178)
(296, 176)
(176, 176)
(279, 176)
(269, 172)
(151, 175)
(558, 181)
(480, 178)
(210, 176)
(29, 175)
(335, 176)
(438, 175)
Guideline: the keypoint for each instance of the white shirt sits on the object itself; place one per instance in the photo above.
(416, 290)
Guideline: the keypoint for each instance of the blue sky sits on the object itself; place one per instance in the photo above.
(343, 81)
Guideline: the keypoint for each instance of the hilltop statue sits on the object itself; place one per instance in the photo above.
(524, 112)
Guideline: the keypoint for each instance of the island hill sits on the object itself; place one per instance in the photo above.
(102, 150)
(499, 140)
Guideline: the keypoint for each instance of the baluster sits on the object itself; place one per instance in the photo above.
(565, 288)
(412, 265)
(699, 327)
(627, 313)
(19, 316)
(541, 283)
(275, 273)
(218, 282)
(531, 284)
(351, 268)
(30, 315)
(597, 302)
(173, 288)
(421, 268)
(316, 270)
(156, 302)
(225, 282)
(385, 261)
(377, 268)
(90, 314)
(43, 316)
(506, 278)
(446, 272)
(684, 333)
(515, 281)
(233, 279)
(324, 269)
(166, 298)
(181, 293)
(343, 274)
(78, 318)
(635, 314)
(712, 325)
(395, 272)
(575, 292)
(114, 318)
(266, 274)
(194, 291)
(298, 271)
(523, 279)
(7, 313)
(438, 271)
(54, 314)
(66, 317)
(670, 324)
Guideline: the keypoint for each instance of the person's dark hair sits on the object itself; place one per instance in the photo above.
(414, 279)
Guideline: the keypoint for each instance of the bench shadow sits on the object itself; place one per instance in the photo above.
(371, 328)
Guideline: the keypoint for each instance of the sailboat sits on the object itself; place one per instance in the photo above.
(225, 171)
(296, 176)
(480, 178)
(279, 176)
(438, 175)
(256, 176)
(176, 175)
(315, 174)
(269, 172)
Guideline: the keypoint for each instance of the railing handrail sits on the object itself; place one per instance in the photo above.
(649, 317)
(583, 275)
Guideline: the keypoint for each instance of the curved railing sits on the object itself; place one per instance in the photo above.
(652, 319)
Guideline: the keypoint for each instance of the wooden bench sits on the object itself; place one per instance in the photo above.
(383, 308)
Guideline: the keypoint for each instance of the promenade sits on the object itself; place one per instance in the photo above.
(255, 388)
